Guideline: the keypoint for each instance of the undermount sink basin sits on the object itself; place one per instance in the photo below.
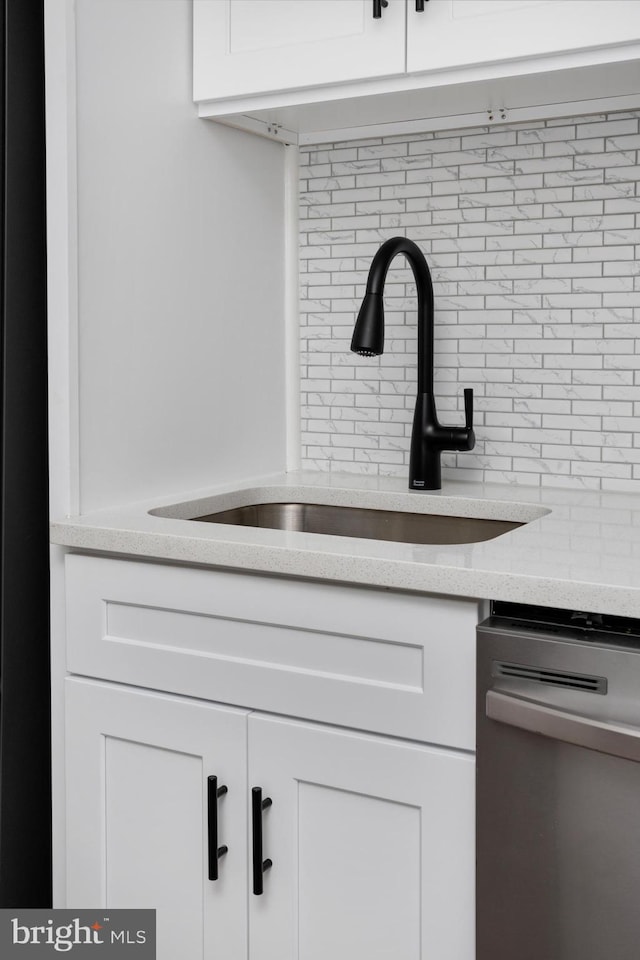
(363, 523)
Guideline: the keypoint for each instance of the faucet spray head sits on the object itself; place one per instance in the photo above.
(368, 334)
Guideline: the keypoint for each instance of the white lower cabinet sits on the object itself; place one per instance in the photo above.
(372, 842)
(370, 838)
(137, 768)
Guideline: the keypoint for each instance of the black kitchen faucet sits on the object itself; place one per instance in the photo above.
(428, 437)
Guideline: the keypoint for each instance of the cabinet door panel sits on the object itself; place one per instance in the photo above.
(153, 838)
(372, 846)
(379, 839)
(254, 46)
(136, 771)
(452, 33)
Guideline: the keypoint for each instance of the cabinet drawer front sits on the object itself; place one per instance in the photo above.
(395, 663)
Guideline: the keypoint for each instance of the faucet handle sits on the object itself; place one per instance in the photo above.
(468, 408)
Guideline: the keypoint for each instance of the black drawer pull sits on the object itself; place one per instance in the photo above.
(377, 8)
(214, 852)
(259, 865)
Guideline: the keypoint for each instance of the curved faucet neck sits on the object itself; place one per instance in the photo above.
(424, 288)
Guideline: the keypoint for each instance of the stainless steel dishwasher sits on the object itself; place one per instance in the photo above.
(558, 790)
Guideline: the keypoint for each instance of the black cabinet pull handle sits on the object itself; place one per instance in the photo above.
(420, 6)
(377, 8)
(468, 408)
(214, 852)
(259, 865)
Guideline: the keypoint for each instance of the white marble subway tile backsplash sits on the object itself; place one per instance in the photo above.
(532, 234)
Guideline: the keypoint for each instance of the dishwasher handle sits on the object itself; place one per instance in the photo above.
(617, 740)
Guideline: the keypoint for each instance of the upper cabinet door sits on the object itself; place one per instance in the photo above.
(456, 33)
(256, 46)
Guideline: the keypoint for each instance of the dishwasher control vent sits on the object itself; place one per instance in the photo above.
(573, 681)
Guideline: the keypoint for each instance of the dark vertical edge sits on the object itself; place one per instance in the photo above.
(256, 832)
(212, 821)
(25, 754)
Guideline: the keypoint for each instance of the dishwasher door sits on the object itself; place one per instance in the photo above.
(558, 795)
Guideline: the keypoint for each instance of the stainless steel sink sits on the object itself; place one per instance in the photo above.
(363, 523)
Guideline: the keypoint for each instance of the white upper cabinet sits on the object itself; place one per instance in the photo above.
(455, 33)
(252, 46)
(316, 71)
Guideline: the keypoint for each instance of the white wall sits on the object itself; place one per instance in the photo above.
(180, 269)
(532, 232)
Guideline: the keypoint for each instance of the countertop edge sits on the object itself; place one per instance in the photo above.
(575, 549)
(385, 573)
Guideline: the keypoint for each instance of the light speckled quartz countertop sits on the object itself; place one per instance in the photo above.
(576, 549)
